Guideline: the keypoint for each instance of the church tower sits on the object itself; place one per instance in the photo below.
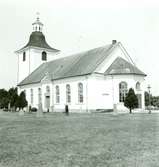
(35, 52)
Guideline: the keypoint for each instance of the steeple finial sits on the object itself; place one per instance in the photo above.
(37, 14)
(37, 25)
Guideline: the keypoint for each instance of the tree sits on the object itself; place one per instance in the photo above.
(146, 98)
(13, 97)
(131, 100)
(155, 101)
(22, 102)
(4, 100)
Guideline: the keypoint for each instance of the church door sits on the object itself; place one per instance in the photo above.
(139, 97)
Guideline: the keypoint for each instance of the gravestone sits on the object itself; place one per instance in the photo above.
(21, 112)
(40, 110)
(115, 110)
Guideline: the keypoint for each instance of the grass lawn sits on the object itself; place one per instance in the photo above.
(79, 140)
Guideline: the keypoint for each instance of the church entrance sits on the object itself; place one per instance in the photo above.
(139, 97)
(47, 103)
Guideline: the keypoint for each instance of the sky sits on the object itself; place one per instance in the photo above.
(77, 25)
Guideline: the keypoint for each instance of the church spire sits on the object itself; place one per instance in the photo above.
(37, 25)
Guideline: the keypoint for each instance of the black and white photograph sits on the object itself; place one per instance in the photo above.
(79, 83)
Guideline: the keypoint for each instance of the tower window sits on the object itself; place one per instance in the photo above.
(24, 56)
(44, 56)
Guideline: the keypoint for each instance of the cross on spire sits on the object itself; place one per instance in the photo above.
(38, 16)
(37, 25)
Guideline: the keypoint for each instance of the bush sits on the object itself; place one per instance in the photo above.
(131, 100)
(33, 109)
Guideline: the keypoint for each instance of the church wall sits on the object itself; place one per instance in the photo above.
(103, 92)
(131, 81)
(74, 106)
(36, 58)
(27, 89)
(33, 60)
(23, 66)
(100, 92)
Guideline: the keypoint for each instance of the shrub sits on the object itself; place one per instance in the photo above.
(131, 100)
(33, 109)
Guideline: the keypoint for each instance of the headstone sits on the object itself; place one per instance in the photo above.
(21, 112)
(40, 110)
(27, 109)
(66, 110)
(51, 109)
(115, 110)
(9, 109)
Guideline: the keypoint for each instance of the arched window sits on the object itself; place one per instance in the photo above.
(31, 96)
(44, 56)
(138, 86)
(39, 95)
(68, 94)
(122, 91)
(24, 56)
(57, 94)
(80, 93)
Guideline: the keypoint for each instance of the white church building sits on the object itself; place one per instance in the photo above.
(94, 80)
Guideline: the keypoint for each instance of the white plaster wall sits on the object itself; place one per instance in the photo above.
(74, 105)
(131, 80)
(100, 92)
(33, 60)
(36, 57)
(23, 66)
(28, 93)
(103, 92)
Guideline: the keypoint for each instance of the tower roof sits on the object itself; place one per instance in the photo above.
(37, 39)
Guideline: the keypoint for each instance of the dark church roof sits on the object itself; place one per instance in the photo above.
(37, 39)
(121, 66)
(76, 65)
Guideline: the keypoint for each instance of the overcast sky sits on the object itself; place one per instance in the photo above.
(77, 25)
